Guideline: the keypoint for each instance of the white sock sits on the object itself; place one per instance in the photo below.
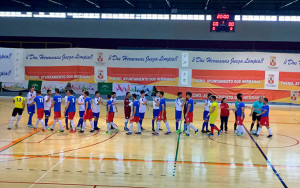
(11, 121)
(60, 125)
(54, 122)
(43, 123)
(83, 126)
(126, 120)
(73, 124)
(157, 127)
(131, 127)
(37, 122)
(188, 128)
(108, 127)
(139, 127)
(114, 125)
(18, 119)
(92, 125)
(258, 131)
(269, 129)
(167, 125)
(192, 126)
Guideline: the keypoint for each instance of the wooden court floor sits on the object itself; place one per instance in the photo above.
(31, 158)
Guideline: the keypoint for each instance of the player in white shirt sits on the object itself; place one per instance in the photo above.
(81, 109)
(96, 109)
(30, 109)
(142, 110)
(207, 104)
(47, 106)
(114, 100)
(156, 100)
(178, 110)
(66, 103)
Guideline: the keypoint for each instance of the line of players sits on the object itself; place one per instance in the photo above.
(259, 112)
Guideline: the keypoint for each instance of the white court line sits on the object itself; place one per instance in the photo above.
(57, 164)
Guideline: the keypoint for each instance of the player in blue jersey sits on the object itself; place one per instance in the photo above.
(39, 100)
(135, 116)
(240, 116)
(189, 114)
(88, 113)
(264, 120)
(71, 109)
(110, 115)
(66, 112)
(162, 116)
(57, 110)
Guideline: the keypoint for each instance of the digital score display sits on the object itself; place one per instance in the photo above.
(222, 22)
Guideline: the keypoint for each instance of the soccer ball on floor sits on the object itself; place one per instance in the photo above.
(253, 131)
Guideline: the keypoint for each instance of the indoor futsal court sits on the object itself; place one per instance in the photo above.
(149, 93)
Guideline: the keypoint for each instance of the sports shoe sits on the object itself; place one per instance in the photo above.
(155, 134)
(16, 125)
(8, 128)
(143, 129)
(186, 134)
(107, 132)
(91, 131)
(207, 131)
(256, 135)
(71, 131)
(30, 126)
(67, 127)
(44, 130)
(78, 128)
(112, 127)
(269, 136)
(243, 134)
(178, 131)
(160, 129)
(81, 131)
(238, 134)
(116, 129)
(210, 134)
(167, 133)
(225, 131)
(60, 131)
(196, 131)
(138, 133)
(219, 132)
(203, 131)
(126, 129)
(129, 133)
(153, 130)
(96, 128)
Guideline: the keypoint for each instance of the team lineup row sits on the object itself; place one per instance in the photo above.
(134, 112)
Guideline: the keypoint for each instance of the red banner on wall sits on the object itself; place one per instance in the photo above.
(249, 95)
(289, 81)
(228, 79)
(61, 73)
(143, 76)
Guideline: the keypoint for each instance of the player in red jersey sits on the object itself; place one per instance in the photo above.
(127, 110)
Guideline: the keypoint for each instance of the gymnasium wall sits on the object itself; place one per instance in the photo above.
(274, 75)
(147, 29)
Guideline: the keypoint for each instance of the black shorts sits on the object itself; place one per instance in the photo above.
(18, 111)
(254, 117)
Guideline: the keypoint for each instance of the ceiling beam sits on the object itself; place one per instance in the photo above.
(205, 8)
(169, 4)
(288, 4)
(22, 2)
(56, 2)
(93, 3)
(128, 2)
(247, 3)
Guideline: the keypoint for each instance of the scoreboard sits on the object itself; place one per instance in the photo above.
(222, 22)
